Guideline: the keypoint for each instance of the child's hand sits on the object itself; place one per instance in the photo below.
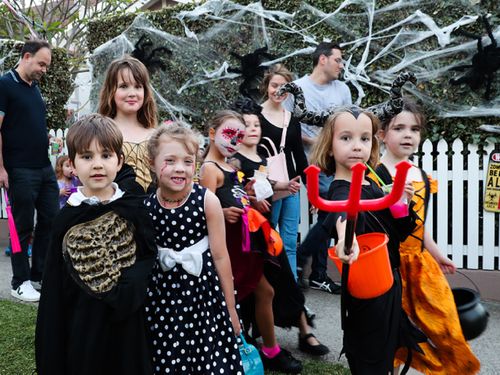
(64, 192)
(249, 187)
(409, 191)
(340, 247)
(235, 321)
(446, 265)
(294, 185)
(232, 214)
(262, 206)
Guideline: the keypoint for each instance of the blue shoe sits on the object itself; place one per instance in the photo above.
(8, 251)
(29, 250)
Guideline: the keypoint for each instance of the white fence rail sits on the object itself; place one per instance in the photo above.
(460, 226)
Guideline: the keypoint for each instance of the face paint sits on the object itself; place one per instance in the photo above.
(228, 137)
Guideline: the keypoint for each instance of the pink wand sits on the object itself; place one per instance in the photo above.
(14, 238)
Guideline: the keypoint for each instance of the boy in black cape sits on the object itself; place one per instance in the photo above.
(90, 317)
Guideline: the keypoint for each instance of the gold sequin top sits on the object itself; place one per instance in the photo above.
(136, 155)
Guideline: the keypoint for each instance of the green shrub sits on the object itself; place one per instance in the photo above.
(243, 39)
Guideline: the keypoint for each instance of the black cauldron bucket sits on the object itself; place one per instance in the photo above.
(471, 312)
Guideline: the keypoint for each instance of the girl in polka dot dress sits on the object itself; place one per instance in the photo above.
(190, 309)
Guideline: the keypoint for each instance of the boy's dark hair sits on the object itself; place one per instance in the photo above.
(246, 106)
(324, 48)
(94, 126)
(33, 46)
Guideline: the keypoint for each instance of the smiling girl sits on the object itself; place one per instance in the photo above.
(275, 120)
(190, 310)
(127, 97)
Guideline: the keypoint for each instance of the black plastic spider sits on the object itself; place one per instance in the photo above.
(150, 57)
(252, 71)
(484, 63)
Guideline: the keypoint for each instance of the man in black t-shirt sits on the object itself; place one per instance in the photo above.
(25, 167)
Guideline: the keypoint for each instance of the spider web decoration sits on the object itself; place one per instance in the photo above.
(195, 79)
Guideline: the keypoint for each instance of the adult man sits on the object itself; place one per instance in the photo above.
(25, 168)
(322, 90)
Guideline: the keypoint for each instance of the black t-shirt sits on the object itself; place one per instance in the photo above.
(24, 127)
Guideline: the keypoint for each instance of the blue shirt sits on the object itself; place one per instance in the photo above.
(24, 128)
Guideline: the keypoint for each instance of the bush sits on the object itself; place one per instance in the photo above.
(244, 36)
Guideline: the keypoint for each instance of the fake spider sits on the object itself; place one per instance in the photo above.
(485, 62)
(150, 57)
(252, 71)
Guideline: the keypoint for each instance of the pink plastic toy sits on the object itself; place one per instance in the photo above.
(14, 238)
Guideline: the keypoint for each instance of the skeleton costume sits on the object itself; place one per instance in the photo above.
(91, 317)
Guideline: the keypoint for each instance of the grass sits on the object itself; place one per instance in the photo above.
(17, 346)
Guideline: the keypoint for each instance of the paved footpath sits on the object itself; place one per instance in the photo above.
(327, 309)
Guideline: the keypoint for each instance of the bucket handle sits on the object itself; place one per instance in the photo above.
(468, 278)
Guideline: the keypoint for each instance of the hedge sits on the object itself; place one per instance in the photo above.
(444, 13)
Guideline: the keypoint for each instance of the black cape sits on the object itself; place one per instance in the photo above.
(375, 328)
(80, 333)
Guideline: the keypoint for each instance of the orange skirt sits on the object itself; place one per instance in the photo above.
(429, 303)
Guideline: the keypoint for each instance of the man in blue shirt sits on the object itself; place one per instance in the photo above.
(25, 168)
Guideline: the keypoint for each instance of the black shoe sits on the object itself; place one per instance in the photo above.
(312, 349)
(326, 284)
(283, 362)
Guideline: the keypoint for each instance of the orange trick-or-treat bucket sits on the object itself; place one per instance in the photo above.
(370, 275)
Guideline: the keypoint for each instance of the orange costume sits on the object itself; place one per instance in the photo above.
(429, 303)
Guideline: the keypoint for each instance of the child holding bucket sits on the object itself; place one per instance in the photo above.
(373, 327)
(427, 297)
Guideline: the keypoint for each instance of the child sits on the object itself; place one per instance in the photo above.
(427, 298)
(372, 327)
(65, 179)
(288, 302)
(127, 97)
(190, 310)
(226, 131)
(91, 315)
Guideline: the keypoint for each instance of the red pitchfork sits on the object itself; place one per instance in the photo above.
(354, 204)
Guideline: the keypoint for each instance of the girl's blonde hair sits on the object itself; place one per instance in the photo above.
(59, 166)
(278, 69)
(321, 154)
(148, 113)
(178, 132)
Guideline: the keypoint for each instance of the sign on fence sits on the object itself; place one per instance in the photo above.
(492, 193)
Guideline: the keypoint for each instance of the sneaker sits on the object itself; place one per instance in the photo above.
(282, 362)
(25, 292)
(8, 251)
(318, 350)
(37, 285)
(326, 284)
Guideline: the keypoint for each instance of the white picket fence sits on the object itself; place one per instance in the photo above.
(460, 226)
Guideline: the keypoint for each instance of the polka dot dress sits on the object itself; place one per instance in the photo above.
(191, 331)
